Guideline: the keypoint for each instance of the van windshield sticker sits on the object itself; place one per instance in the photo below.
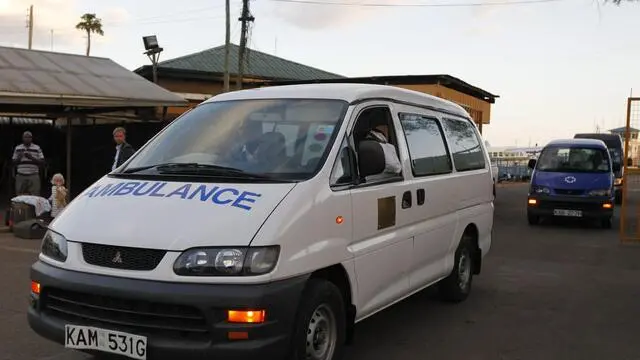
(216, 194)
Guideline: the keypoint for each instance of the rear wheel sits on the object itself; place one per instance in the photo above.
(533, 219)
(457, 286)
(607, 223)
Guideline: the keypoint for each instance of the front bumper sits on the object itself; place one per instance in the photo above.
(590, 207)
(180, 320)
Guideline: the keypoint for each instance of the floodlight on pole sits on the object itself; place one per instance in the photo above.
(153, 52)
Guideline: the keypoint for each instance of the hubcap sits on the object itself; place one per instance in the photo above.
(464, 270)
(321, 334)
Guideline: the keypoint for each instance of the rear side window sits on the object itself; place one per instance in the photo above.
(464, 144)
(427, 149)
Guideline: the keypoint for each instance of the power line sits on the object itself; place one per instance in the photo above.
(476, 4)
(156, 19)
(125, 24)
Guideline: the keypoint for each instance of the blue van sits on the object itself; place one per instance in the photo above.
(616, 148)
(572, 178)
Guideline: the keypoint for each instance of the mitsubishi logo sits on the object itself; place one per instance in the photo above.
(117, 259)
(570, 179)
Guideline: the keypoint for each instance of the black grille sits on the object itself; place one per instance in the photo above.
(569, 192)
(121, 257)
(564, 205)
(142, 317)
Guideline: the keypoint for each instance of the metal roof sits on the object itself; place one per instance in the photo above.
(623, 129)
(18, 120)
(442, 79)
(32, 77)
(257, 65)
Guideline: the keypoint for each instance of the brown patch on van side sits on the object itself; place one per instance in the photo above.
(386, 212)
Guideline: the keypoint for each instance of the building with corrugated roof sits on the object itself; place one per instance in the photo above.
(198, 76)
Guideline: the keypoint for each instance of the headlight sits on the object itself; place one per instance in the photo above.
(54, 246)
(602, 192)
(617, 181)
(227, 261)
(540, 190)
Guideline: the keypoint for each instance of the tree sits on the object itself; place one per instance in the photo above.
(90, 24)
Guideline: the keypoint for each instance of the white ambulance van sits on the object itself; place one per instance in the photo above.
(265, 223)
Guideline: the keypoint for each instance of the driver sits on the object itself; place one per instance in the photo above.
(379, 131)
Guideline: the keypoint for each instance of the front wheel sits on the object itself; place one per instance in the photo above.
(320, 328)
(457, 286)
(618, 197)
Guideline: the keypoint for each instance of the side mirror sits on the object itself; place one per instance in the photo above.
(532, 163)
(370, 158)
(616, 167)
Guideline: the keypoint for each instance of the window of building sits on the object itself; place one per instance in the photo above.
(427, 149)
(465, 145)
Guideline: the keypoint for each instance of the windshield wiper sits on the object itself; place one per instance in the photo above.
(198, 169)
(142, 168)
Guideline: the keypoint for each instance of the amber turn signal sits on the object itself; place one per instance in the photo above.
(246, 316)
(35, 287)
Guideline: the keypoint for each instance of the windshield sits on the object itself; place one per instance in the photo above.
(573, 159)
(616, 155)
(285, 139)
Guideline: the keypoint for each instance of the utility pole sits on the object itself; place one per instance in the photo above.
(245, 18)
(30, 26)
(227, 45)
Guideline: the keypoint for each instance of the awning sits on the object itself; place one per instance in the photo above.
(34, 81)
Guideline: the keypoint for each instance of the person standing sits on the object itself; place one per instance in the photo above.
(58, 196)
(28, 159)
(124, 150)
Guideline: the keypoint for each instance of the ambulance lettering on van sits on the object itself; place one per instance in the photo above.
(266, 223)
(216, 194)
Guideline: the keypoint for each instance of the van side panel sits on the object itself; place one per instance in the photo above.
(432, 222)
(381, 244)
(474, 188)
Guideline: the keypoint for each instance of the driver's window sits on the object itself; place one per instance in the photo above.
(376, 123)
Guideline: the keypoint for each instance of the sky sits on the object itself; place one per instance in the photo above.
(560, 66)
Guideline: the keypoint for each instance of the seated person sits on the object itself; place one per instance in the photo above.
(380, 132)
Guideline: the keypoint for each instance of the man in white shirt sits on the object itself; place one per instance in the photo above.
(380, 133)
(28, 159)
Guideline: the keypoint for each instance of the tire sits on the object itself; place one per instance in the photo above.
(533, 219)
(321, 304)
(607, 223)
(456, 287)
(618, 197)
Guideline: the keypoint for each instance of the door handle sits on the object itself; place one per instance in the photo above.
(406, 200)
(421, 196)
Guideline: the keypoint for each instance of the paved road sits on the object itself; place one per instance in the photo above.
(548, 292)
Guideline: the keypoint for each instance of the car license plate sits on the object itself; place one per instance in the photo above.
(571, 213)
(115, 342)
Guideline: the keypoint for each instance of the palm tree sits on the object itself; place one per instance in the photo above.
(91, 24)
